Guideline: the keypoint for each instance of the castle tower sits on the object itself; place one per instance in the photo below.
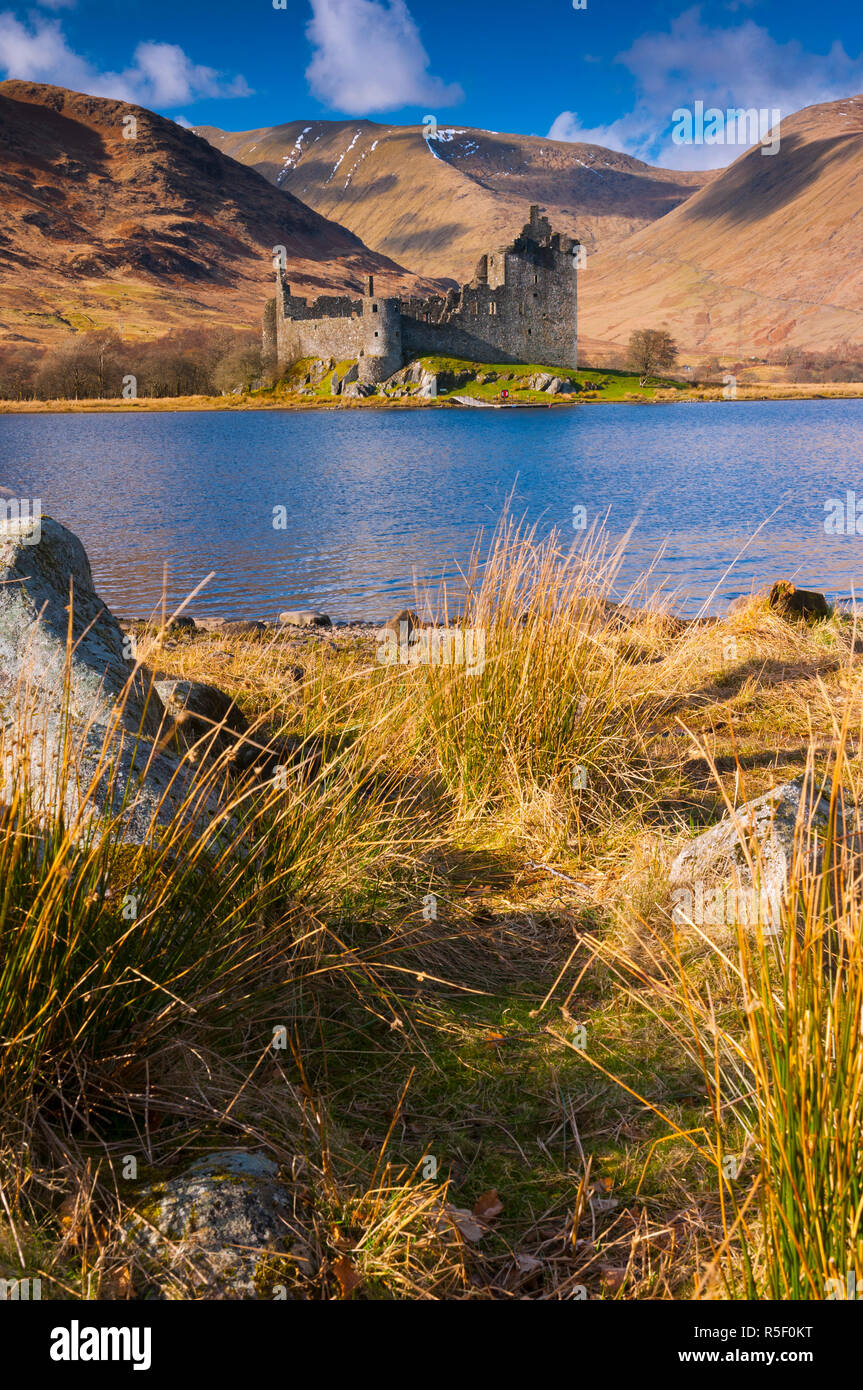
(382, 337)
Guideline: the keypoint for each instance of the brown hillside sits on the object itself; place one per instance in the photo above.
(767, 254)
(436, 205)
(146, 233)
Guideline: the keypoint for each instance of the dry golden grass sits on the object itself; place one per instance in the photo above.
(453, 1035)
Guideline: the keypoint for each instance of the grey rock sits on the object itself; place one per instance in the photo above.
(768, 824)
(304, 617)
(403, 624)
(337, 383)
(242, 628)
(198, 709)
(105, 701)
(213, 1231)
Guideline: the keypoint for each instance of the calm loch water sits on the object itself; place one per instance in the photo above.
(378, 500)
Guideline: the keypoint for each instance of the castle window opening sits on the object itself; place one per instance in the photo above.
(376, 332)
(374, 308)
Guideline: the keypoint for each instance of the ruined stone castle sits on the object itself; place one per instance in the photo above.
(520, 306)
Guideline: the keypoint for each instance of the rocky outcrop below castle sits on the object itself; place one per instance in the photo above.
(422, 382)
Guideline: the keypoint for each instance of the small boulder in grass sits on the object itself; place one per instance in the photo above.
(200, 708)
(764, 835)
(304, 617)
(792, 602)
(241, 628)
(406, 616)
(221, 1230)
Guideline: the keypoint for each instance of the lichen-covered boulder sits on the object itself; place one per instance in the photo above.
(37, 584)
(71, 691)
(767, 827)
(217, 1230)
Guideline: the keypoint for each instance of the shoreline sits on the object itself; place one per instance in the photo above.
(291, 402)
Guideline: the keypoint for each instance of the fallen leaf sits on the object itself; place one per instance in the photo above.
(527, 1264)
(349, 1280)
(488, 1205)
(67, 1211)
(465, 1223)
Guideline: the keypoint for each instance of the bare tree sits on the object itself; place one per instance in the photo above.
(18, 368)
(651, 351)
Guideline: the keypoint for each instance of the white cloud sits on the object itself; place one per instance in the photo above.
(370, 57)
(631, 134)
(160, 75)
(170, 78)
(740, 66)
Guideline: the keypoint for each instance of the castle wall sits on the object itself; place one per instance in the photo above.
(331, 326)
(532, 318)
(340, 338)
(269, 331)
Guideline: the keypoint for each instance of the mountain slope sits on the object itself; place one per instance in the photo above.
(145, 233)
(769, 253)
(436, 204)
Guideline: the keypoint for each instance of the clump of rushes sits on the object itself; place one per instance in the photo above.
(798, 1086)
(109, 948)
(772, 1022)
(549, 707)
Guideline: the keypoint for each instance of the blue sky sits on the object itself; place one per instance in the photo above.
(612, 72)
